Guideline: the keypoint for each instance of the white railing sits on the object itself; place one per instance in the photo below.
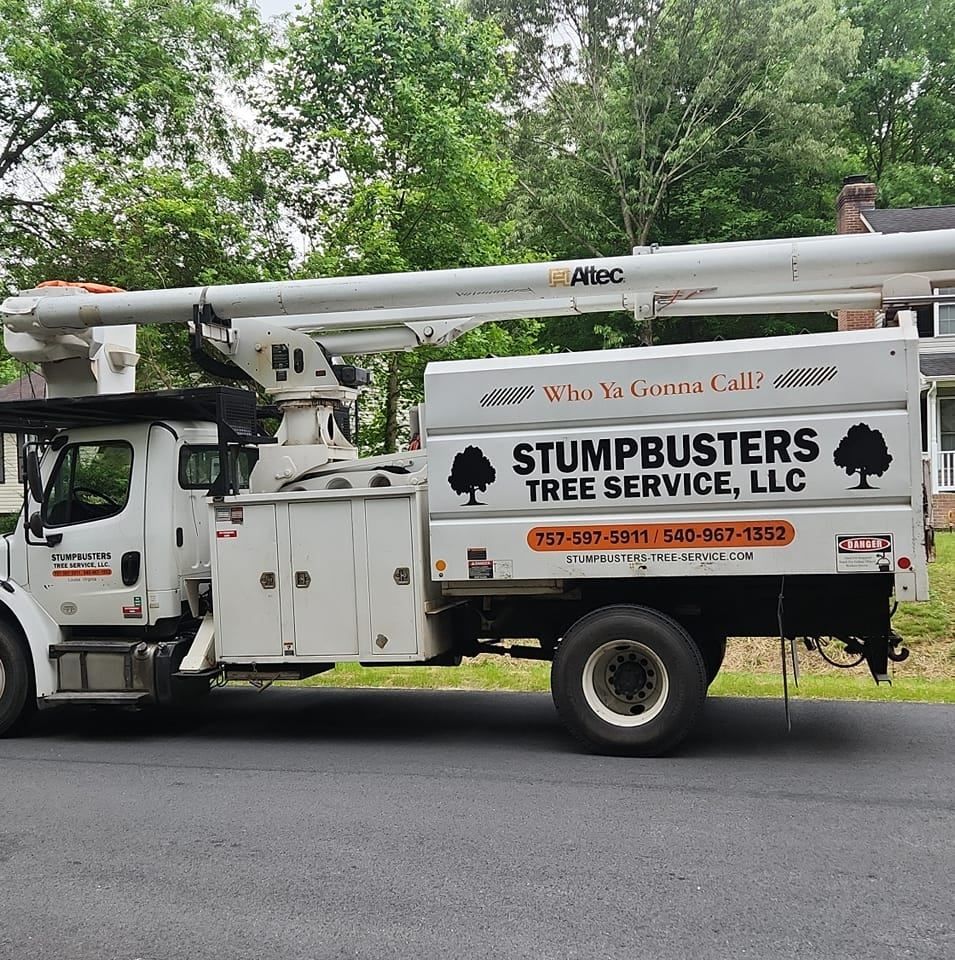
(945, 469)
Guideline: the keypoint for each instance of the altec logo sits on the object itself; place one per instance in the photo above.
(589, 276)
(864, 544)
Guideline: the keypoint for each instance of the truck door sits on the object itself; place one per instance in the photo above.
(94, 502)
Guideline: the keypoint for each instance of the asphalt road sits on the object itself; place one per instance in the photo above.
(394, 824)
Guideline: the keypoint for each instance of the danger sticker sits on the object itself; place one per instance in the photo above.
(480, 570)
(133, 611)
(865, 553)
(226, 534)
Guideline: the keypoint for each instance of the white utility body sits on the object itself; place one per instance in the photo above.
(620, 512)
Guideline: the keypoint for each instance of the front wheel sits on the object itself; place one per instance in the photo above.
(16, 695)
(628, 680)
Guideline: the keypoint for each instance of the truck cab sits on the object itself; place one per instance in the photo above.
(112, 552)
(103, 559)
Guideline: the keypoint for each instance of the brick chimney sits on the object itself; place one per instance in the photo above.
(858, 194)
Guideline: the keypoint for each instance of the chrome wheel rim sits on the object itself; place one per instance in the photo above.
(625, 683)
(3, 679)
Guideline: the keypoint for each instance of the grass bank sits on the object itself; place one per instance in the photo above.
(497, 673)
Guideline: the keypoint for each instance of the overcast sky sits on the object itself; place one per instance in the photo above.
(272, 7)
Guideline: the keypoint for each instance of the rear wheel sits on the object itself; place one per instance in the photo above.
(16, 694)
(628, 680)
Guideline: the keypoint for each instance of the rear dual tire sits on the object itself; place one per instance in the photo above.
(628, 680)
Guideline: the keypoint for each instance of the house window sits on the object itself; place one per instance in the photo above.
(945, 314)
(3, 458)
(946, 423)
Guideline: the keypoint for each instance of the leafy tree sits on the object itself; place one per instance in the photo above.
(863, 451)
(901, 97)
(407, 371)
(139, 226)
(134, 77)
(389, 153)
(471, 471)
(623, 106)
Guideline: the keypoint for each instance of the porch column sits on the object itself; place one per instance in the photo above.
(931, 416)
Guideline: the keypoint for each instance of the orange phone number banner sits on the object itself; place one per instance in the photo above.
(663, 536)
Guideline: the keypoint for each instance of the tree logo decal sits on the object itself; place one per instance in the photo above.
(863, 451)
(471, 471)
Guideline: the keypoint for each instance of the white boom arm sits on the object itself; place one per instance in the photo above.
(401, 311)
(282, 334)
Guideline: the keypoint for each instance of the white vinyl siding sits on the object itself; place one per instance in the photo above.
(11, 490)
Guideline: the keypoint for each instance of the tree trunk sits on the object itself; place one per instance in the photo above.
(392, 395)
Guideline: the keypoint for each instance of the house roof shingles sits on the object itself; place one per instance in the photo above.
(31, 386)
(937, 364)
(910, 219)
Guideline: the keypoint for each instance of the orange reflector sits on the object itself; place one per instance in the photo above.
(88, 287)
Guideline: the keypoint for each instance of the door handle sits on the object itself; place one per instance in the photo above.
(129, 567)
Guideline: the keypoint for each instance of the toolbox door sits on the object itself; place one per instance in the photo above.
(323, 578)
(391, 577)
(246, 582)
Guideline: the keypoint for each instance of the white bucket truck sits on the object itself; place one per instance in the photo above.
(625, 510)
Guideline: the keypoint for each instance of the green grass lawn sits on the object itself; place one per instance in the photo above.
(928, 675)
(934, 622)
(499, 673)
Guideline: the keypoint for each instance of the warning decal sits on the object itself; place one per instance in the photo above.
(133, 611)
(869, 553)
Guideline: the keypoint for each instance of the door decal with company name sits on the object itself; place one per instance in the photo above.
(82, 565)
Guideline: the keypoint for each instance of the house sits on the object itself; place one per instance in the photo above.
(857, 213)
(27, 387)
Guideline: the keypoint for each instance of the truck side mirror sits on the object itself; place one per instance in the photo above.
(42, 539)
(34, 483)
(35, 524)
